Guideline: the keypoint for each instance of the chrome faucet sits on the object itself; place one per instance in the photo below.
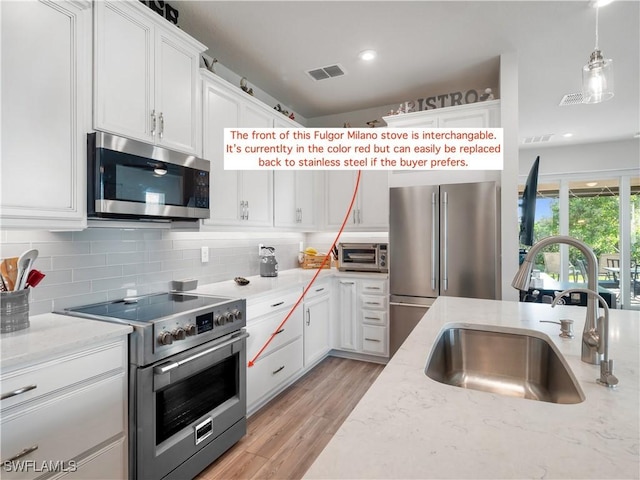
(590, 353)
(598, 338)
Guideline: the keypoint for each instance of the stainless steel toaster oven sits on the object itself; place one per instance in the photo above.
(363, 257)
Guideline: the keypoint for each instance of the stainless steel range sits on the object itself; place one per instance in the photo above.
(187, 379)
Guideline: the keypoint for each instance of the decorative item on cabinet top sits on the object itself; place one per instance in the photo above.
(163, 9)
(450, 99)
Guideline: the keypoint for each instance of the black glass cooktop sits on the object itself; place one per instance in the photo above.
(149, 307)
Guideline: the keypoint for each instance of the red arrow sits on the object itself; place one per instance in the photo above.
(324, 261)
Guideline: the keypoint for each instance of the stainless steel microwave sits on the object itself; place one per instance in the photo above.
(132, 180)
(363, 257)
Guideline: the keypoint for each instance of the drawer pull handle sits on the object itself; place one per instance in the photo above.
(372, 340)
(23, 453)
(371, 318)
(277, 304)
(278, 370)
(372, 303)
(18, 391)
(372, 288)
(279, 331)
(319, 289)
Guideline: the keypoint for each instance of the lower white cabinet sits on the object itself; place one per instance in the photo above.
(317, 320)
(362, 323)
(282, 359)
(67, 414)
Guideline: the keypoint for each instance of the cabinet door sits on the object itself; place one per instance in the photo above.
(339, 188)
(285, 202)
(221, 110)
(177, 102)
(305, 198)
(373, 199)
(468, 118)
(45, 107)
(123, 78)
(347, 313)
(316, 329)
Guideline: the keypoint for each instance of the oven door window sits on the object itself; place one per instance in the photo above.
(359, 256)
(187, 400)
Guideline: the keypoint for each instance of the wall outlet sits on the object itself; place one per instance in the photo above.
(204, 254)
(260, 245)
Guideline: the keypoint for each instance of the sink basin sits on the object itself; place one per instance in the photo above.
(522, 364)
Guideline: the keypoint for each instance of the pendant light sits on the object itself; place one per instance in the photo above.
(597, 75)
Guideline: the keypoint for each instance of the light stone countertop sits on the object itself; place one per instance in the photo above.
(260, 286)
(408, 426)
(50, 334)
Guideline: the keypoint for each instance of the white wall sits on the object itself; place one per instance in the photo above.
(588, 157)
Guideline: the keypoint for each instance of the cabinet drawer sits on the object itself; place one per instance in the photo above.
(317, 289)
(108, 462)
(273, 303)
(374, 339)
(261, 329)
(373, 287)
(61, 372)
(371, 302)
(63, 427)
(270, 371)
(374, 317)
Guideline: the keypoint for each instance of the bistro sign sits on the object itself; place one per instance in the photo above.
(450, 99)
(163, 9)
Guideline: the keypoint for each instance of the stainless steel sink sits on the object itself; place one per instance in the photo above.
(490, 359)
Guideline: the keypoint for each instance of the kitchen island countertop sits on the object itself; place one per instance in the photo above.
(409, 426)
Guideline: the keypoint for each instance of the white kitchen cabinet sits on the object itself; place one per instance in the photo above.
(371, 208)
(146, 81)
(238, 197)
(317, 320)
(45, 107)
(362, 321)
(348, 337)
(294, 199)
(281, 362)
(473, 115)
(68, 407)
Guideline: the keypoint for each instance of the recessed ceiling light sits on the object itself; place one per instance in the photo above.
(591, 184)
(367, 55)
(567, 135)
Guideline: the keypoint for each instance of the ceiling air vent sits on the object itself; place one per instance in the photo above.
(571, 99)
(537, 139)
(330, 71)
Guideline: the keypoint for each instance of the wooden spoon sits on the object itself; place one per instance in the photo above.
(9, 271)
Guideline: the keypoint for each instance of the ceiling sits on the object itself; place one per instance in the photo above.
(429, 48)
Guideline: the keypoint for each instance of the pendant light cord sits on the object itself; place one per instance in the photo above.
(597, 10)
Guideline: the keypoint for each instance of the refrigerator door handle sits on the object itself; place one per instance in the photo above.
(445, 241)
(434, 230)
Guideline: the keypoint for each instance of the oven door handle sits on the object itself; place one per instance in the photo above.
(231, 339)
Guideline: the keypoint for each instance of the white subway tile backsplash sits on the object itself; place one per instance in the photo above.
(100, 264)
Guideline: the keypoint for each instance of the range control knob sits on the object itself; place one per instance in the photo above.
(179, 333)
(165, 338)
(191, 330)
(237, 314)
(229, 317)
(219, 320)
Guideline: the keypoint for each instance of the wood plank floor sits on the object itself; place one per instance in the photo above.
(286, 435)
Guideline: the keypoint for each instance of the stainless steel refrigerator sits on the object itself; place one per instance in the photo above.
(443, 240)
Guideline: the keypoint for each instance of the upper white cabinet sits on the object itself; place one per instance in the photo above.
(473, 115)
(294, 199)
(146, 82)
(45, 105)
(238, 197)
(371, 208)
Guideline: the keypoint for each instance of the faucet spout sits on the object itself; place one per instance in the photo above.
(523, 277)
(598, 339)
